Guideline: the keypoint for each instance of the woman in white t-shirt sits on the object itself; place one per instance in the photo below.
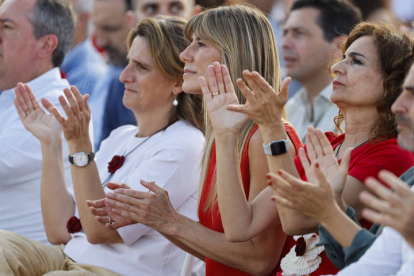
(165, 147)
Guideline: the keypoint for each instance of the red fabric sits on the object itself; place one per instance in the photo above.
(213, 221)
(366, 160)
(63, 74)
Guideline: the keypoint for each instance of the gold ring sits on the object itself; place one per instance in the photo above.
(28, 113)
(215, 94)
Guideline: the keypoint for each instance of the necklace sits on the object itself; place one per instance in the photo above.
(340, 145)
(117, 161)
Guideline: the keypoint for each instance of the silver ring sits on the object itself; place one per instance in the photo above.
(110, 220)
(214, 94)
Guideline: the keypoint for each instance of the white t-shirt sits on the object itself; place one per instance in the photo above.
(171, 158)
(21, 161)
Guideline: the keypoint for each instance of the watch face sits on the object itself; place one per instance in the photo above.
(278, 148)
(80, 159)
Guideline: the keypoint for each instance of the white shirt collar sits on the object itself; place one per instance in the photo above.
(36, 84)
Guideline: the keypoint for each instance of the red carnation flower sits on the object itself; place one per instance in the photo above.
(74, 225)
(300, 248)
(116, 162)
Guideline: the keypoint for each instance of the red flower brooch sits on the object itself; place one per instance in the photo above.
(74, 225)
(300, 248)
(116, 162)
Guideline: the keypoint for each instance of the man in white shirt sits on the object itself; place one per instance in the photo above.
(34, 38)
(312, 38)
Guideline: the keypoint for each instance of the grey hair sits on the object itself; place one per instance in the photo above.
(54, 17)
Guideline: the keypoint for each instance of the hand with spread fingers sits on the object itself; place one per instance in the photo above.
(103, 210)
(152, 209)
(394, 208)
(219, 94)
(34, 118)
(315, 199)
(264, 106)
(320, 151)
(76, 126)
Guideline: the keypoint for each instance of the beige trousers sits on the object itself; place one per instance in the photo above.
(20, 256)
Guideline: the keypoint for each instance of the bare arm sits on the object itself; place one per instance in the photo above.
(316, 200)
(345, 187)
(57, 204)
(257, 256)
(86, 181)
(242, 220)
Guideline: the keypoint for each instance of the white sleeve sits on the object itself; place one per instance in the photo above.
(20, 156)
(175, 168)
(383, 258)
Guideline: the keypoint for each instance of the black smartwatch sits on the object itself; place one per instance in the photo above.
(276, 147)
(81, 159)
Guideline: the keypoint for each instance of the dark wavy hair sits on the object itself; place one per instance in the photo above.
(395, 54)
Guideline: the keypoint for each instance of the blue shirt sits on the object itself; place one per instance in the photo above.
(84, 67)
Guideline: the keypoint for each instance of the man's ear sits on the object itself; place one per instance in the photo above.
(131, 19)
(178, 87)
(47, 45)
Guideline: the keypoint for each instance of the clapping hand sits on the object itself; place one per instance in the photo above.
(313, 199)
(264, 106)
(34, 118)
(103, 210)
(126, 206)
(390, 208)
(218, 95)
(76, 126)
(320, 151)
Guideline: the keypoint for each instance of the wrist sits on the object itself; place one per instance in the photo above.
(173, 228)
(341, 202)
(84, 145)
(273, 132)
(330, 214)
(52, 147)
(226, 136)
(229, 132)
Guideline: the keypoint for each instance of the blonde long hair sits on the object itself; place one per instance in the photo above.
(246, 40)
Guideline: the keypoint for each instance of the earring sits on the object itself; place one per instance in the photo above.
(175, 102)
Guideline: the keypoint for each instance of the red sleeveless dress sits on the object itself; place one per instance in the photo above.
(213, 221)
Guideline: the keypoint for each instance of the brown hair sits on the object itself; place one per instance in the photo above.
(166, 41)
(395, 54)
(246, 40)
